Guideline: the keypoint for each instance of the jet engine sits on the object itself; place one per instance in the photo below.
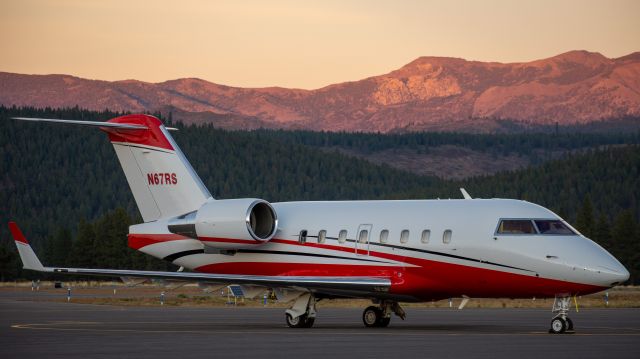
(229, 223)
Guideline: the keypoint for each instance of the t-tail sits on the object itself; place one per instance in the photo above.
(163, 182)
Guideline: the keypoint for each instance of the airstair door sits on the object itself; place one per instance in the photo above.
(362, 239)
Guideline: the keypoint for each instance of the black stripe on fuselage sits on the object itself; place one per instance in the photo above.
(433, 253)
(174, 256)
(450, 256)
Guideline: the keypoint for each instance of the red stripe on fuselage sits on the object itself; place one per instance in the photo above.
(433, 280)
(347, 249)
(137, 241)
(479, 282)
(430, 279)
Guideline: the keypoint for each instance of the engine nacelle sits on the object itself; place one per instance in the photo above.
(229, 223)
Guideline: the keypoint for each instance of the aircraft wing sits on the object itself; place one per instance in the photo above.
(343, 286)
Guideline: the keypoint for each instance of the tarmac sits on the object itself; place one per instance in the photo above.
(45, 329)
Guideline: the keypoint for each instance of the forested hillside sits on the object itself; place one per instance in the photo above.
(62, 184)
(457, 156)
(564, 139)
(54, 175)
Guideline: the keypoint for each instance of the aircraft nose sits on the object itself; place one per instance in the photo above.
(612, 270)
(601, 267)
(621, 276)
(624, 276)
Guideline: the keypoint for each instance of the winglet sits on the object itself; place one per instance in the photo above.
(27, 255)
(465, 194)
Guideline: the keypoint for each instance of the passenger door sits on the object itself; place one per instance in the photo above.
(362, 239)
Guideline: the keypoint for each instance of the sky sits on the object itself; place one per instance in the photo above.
(296, 43)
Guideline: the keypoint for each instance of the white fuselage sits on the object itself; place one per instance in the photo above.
(474, 260)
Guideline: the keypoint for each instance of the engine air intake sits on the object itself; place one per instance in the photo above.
(261, 221)
(228, 224)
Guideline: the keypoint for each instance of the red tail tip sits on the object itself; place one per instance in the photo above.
(17, 233)
(153, 136)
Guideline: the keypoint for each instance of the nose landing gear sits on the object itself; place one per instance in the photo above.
(561, 323)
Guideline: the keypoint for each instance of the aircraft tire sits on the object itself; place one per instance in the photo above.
(384, 322)
(558, 325)
(308, 323)
(299, 322)
(371, 316)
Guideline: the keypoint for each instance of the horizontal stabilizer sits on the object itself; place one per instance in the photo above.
(123, 126)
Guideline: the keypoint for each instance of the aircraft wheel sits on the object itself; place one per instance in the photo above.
(558, 325)
(371, 316)
(309, 322)
(569, 324)
(300, 322)
(384, 322)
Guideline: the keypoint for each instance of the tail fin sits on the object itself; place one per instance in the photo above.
(162, 181)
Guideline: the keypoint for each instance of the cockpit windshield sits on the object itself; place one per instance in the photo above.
(553, 227)
(534, 227)
(516, 226)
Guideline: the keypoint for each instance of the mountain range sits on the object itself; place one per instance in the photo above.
(427, 94)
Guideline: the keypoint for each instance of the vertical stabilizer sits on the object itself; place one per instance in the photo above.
(162, 181)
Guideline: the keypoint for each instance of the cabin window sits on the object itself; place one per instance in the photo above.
(302, 237)
(363, 237)
(404, 236)
(446, 236)
(342, 236)
(425, 236)
(384, 236)
(516, 226)
(553, 227)
(322, 236)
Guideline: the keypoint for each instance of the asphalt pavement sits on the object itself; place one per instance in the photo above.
(44, 329)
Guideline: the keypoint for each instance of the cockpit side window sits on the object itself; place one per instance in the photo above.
(516, 226)
(553, 227)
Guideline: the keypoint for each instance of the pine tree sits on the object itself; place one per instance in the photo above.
(602, 232)
(59, 248)
(7, 263)
(585, 221)
(625, 243)
(84, 246)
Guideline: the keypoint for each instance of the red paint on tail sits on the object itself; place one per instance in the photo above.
(152, 136)
(17, 233)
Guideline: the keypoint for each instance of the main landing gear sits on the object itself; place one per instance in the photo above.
(561, 323)
(302, 313)
(303, 321)
(380, 316)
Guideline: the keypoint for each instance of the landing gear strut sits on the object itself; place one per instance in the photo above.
(302, 313)
(561, 323)
(380, 316)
